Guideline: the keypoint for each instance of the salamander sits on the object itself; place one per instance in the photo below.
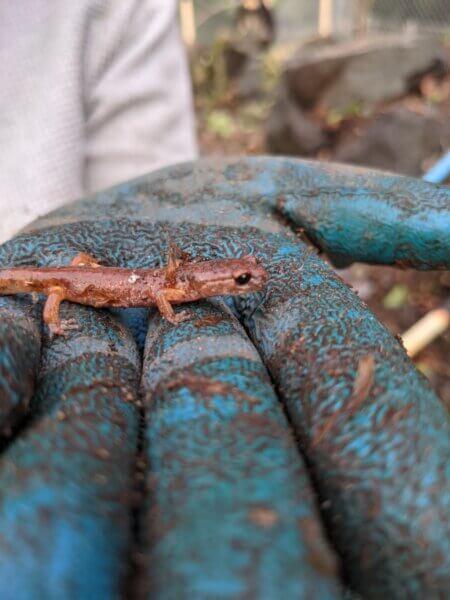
(87, 282)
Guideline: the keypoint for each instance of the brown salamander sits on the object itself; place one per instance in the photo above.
(87, 282)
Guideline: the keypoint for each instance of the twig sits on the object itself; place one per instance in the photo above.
(427, 329)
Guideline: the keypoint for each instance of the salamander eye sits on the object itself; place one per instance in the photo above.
(243, 278)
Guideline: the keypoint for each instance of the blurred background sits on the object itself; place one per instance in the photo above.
(364, 82)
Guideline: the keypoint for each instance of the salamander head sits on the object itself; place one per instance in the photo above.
(224, 277)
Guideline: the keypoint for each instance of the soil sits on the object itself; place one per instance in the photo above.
(426, 291)
(242, 132)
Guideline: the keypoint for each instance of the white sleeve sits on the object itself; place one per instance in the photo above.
(137, 99)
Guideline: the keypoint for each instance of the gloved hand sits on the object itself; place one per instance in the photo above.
(280, 444)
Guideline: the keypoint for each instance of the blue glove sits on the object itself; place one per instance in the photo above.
(275, 445)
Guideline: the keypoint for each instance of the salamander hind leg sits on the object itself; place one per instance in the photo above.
(85, 260)
(51, 314)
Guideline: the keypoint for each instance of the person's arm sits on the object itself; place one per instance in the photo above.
(138, 99)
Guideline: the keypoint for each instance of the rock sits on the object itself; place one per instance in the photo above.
(397, 140)
(235, 59)
(251, 79)
(247, 71)
(289, 131)
(368, 71)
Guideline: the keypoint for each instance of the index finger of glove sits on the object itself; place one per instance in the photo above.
(375, 436)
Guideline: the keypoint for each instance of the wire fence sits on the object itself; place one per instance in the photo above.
(204, 20)
(364, 16)
(434, 14)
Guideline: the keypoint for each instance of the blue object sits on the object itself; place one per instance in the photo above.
(278, 445)
(440, 171)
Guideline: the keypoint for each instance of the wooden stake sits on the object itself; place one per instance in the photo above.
(427, 329)
(187, 20)
(325, 18)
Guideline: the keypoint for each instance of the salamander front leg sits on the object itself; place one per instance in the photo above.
(175, 257)
(163, 298)
(51, 313)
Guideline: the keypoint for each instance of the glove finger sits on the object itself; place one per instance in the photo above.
(375, 436)
(19, 360)
(209, 239)
(353, 214)
(230, 504)
(66, 480)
